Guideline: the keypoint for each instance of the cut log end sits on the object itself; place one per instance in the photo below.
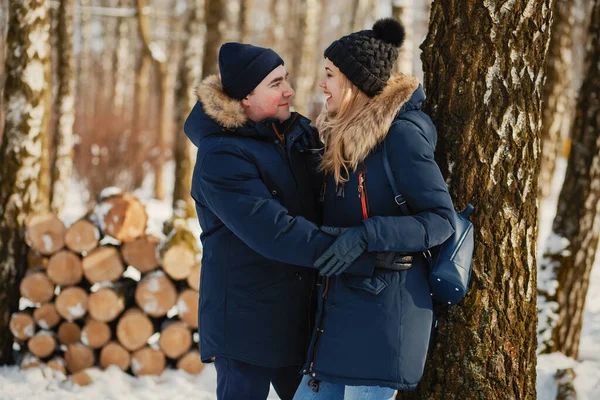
(122, 216)
(57, 364)
(37, 287)
(156, 294)
(148, 361)
(65, 268)
(103, 264)
(46, 316)
(82, 378)
(133, 329)
(95, 334)
(82, 237)
(187, 307)
(105, 305)
(45, 233)
(175, 340)
(193, 279)
(69, 333)
(142, 254)
(115, 354)
(42, 345)
(178, 261)
(22, 326)
(71, 303)
(190, 363)
(79, 357)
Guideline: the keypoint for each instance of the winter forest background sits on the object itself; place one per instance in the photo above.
(95, 92)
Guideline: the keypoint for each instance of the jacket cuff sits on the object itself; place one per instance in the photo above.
(371, 234)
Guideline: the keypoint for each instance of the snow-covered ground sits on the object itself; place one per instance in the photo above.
(42, 384)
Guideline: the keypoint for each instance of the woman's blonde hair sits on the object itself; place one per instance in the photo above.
(332, 127)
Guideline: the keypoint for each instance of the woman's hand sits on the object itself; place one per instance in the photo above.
(349, 245)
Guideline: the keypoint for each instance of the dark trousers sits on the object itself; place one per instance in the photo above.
(240, 380)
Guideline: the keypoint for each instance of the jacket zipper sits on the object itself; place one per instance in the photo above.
(362, 194)
(279, 136)
(319, 330)
(364, 201)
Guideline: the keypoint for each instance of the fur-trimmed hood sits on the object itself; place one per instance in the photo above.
(370, 127)
(225, 110)
(214, 112)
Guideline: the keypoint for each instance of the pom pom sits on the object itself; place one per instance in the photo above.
(389, 30)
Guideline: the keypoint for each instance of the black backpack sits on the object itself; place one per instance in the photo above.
(450, 263)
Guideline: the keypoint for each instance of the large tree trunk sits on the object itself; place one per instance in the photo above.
(559, 92)
(485, 98)
(571, 250)
(27, 64)
(215, 13)
(189, 75)
(65, 108)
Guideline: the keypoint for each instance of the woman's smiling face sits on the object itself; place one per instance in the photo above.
(332, 86)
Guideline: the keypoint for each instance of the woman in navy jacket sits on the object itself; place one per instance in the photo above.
(372, 333)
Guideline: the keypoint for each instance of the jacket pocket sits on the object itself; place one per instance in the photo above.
(370, 284)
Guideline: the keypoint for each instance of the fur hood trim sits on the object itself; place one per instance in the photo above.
(372, 124)
(225, 110)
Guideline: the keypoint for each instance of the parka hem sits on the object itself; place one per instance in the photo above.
(363, 382)
(209, 358)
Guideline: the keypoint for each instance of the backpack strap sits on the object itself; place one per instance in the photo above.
(398, 197)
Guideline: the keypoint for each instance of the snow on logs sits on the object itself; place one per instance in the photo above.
(102, 292)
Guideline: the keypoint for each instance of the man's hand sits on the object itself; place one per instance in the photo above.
(349, 245)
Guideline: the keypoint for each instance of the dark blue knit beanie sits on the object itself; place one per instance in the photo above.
(244, 66)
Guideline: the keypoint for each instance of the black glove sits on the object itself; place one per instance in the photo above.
(349, 245)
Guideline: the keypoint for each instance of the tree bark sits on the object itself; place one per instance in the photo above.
(215, 13)
(559, 92)
(571, 250)
(188, 76)
(65, 108)
(484, 95)
(25, 96)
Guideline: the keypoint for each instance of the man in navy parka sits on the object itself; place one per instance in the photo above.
(255, 186)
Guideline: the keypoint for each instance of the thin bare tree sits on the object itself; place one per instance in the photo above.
(64, 108)
(559, 92)
(188, 77)
(215, 13)
(571, 250)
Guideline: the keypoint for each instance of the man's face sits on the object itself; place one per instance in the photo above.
(270, 99)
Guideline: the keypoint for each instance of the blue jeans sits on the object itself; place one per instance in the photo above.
(332, 391)
(237, 380)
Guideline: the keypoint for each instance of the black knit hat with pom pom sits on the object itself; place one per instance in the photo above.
(367, 57)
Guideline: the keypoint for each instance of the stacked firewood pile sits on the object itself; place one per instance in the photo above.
(101, 292)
